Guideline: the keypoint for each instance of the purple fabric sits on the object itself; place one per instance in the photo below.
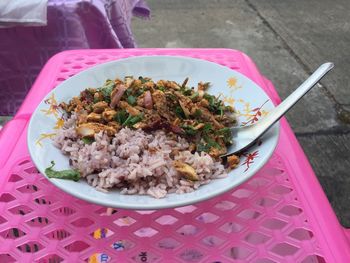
(72, 24)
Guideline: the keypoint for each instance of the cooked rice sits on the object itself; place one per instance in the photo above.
(136, 162)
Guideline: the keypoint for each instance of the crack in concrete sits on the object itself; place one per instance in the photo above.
(343, 115)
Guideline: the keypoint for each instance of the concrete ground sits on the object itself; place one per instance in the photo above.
(287, 40)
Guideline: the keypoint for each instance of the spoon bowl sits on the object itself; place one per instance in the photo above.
(246, 136)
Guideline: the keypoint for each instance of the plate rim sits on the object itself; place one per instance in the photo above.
(164, 205)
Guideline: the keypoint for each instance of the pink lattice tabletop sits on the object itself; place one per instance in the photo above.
(280, 215)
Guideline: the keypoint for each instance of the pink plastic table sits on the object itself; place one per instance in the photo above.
(280, 215)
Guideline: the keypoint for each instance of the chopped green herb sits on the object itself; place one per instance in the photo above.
(221, 111)
(127, 92)
(106, 90)
(194, 95)
(207, 128)
(197, 113)
(88, 140)
(186, 92)
(139, 92)
(64, 174)
(224, 131)
(96, 99)
(211, 143)
(143, 80)
(125, 119)
(170, 96)
(214, 144)
(212, 102)
(162, 88)
(215, 105)
(132, 120)
(226, 135)
(131, 100)
(209, 98)
(189, 130)
(179, 112)
(121, 116)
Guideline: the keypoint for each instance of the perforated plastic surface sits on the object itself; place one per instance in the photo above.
(280, 215)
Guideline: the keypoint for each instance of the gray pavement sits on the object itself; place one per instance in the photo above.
(287, 40)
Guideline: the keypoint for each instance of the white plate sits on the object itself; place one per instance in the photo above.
(237, 90)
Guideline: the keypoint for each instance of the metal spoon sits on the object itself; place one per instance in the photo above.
(244, 137)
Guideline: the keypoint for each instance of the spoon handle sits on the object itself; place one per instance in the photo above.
(293, 98)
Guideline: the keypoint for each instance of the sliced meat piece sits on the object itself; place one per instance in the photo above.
(200, 95)
(159, 99)
(130, 109)
(185, 103)
(141, 100)
(232, 161)
(204, 103)
(186, 170)
(108, 115)
(85, 130)
(176, 129)
(137, 83)
(215, 152)
(151, 121)
(176, 122)
(114, 125)
(160, 104)
(182, 97)
(171, 85)
(174, 152)
(90, 129)
(81, 117)
(149, 84)
(98, 96)
(203, 86)
(184, 108)
(75, 104)
(206, 115)
(161, 83)
(100, 106)
(199, 126)
(118, 81)
(94, 117)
